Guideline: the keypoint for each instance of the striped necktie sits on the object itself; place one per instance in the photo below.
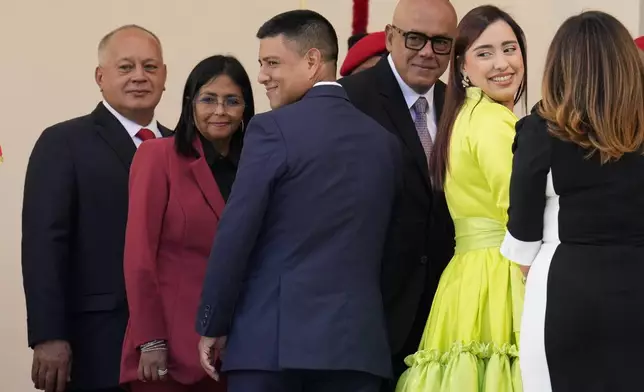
(420, 120)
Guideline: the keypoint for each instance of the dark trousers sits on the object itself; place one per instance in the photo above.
(411, 344)
(205, 385)
(302, 381)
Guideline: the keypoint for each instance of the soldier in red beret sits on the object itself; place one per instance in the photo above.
(364, 54)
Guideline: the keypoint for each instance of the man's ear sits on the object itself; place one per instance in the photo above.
(313, 59)
(389, 32)
(98, 77)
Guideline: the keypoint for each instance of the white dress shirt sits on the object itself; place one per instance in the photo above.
(411, 97)
(327, 84)
(133, 128)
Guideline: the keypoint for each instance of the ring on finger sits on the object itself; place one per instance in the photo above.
(162, 372)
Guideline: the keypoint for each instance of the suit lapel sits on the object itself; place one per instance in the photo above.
(165, 132)
(114, 134)
(394, 105)
(206, 182)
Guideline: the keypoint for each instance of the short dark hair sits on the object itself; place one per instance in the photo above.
(307, 29)
(186, 131)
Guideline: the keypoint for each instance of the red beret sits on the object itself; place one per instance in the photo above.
(369, 46)
(640, 42)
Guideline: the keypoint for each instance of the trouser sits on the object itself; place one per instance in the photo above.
(303, 381)
(206, 385)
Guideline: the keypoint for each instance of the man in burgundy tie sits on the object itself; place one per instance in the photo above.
(74, 216)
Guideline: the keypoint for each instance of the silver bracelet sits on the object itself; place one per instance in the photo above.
(156, 348)
(153, 344)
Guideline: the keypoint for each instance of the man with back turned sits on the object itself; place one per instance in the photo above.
(293, 280)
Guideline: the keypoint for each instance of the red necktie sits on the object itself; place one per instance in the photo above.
(145, 134)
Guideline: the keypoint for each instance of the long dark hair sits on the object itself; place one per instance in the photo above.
(469, 29)
(186, 131)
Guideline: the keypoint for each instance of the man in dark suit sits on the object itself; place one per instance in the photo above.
(403, 93)
(74, 215)
(293, 279)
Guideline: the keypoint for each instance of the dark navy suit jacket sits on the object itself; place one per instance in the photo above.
(293, 278)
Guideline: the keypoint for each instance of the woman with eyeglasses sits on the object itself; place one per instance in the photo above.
(178, 188)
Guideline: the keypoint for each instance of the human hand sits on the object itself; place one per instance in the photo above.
(210, 350)
(51, 366)
(153, 365)
(525, 269)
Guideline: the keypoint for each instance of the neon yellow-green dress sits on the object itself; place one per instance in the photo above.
(470, 342)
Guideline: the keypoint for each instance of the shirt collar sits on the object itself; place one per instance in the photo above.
(410, 95)
(327, 84)
(130, 126)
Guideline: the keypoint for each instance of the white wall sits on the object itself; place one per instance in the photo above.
(641, 32)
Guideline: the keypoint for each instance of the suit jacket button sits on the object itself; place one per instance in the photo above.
(207, 307)
(423, 260)
(203, 322)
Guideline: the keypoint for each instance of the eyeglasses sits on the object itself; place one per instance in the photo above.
(230, 102)
(417, 41)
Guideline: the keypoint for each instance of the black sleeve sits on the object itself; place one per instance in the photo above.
(47, 226)
(530, 168)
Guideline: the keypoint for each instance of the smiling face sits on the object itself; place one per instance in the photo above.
(131, 74)
(414, 22)
(286, 74)
(494, 63)
(219, 109)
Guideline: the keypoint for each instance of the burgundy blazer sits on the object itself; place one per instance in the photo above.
(174, 208)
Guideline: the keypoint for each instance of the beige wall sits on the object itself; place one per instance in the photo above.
(641, 21)
(48, 60)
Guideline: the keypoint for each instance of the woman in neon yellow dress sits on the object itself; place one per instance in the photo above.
(470, 340)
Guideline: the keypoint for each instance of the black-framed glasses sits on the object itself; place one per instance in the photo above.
(417, 41)
(230, 102)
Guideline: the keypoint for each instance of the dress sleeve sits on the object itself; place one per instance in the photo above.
(491, 146)
(530, 167)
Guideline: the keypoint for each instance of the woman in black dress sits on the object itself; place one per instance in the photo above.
(576, 214)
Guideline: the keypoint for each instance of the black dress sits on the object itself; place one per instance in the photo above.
(583, 319)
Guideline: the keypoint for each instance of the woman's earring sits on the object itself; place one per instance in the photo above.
(242, 127)
(466, 81)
